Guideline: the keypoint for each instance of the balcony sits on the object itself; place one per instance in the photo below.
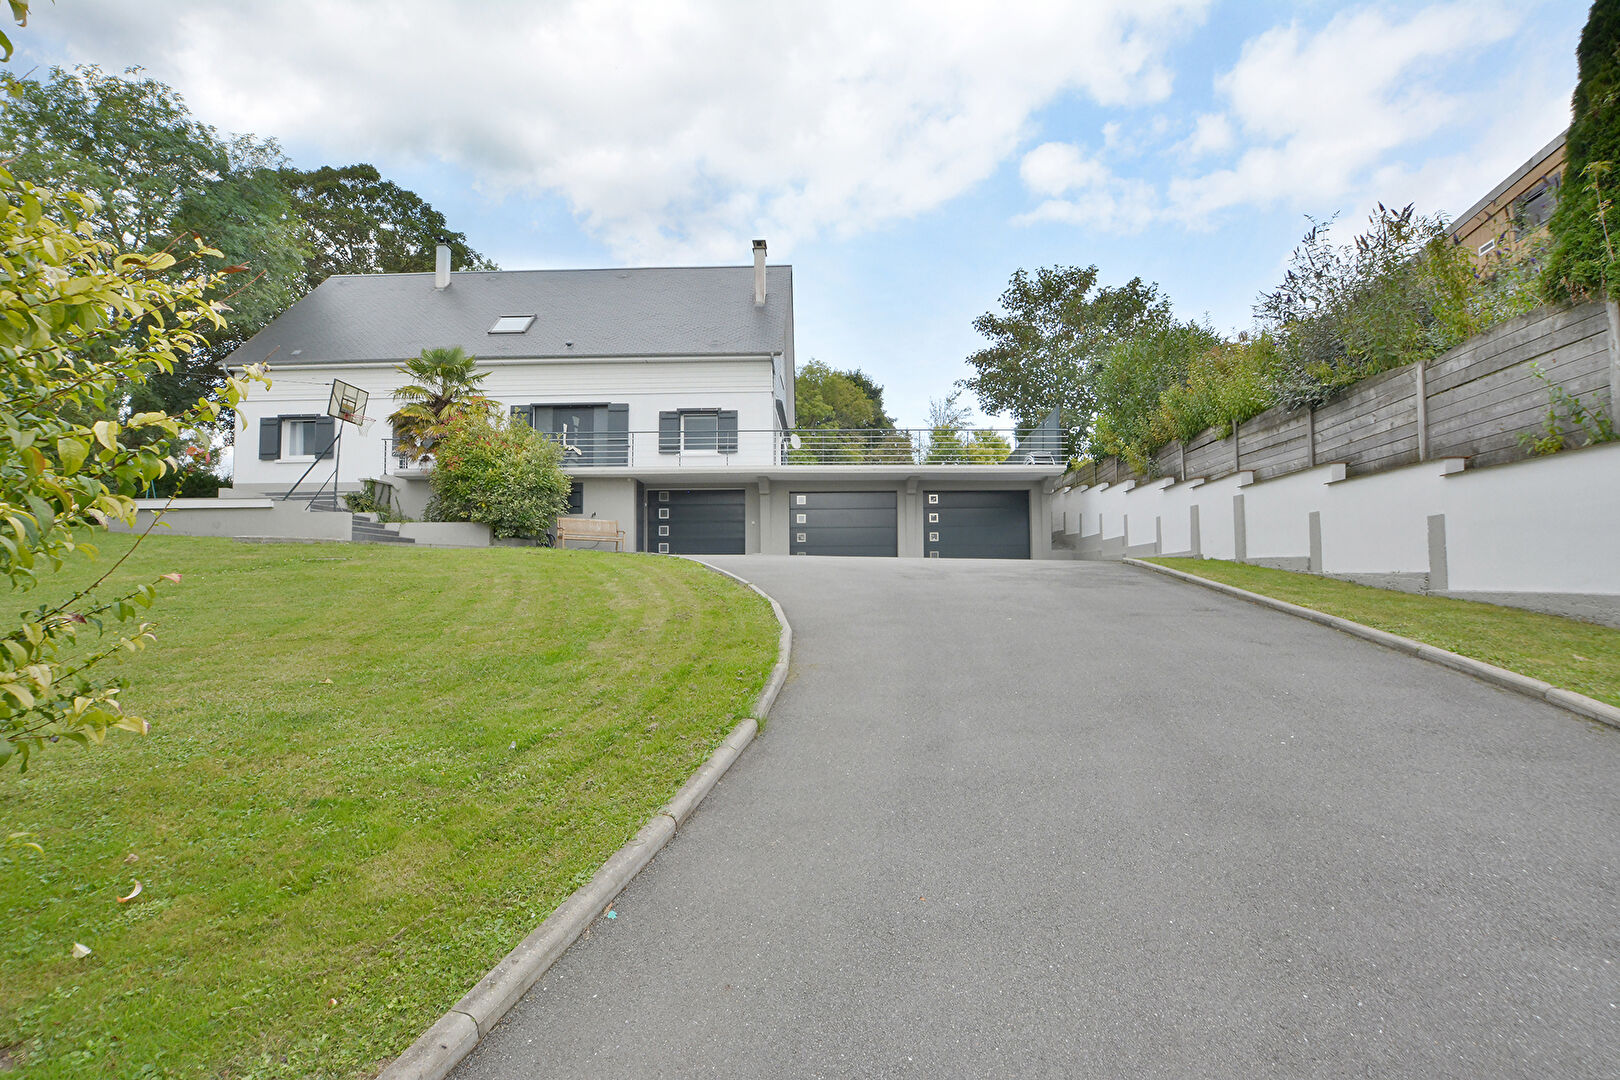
(885, 448)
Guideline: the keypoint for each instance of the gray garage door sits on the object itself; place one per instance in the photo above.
(843, 523)
(976, 524)
(696, 522)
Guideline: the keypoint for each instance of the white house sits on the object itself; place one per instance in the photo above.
(671, 390)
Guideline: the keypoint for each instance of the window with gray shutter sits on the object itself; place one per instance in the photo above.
(669, 433)
(325, 435)
(269, 438)
(728, 431)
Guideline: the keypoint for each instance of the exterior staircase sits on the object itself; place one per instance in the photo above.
(367, 531)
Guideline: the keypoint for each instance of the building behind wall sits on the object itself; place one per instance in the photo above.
(1507, 220)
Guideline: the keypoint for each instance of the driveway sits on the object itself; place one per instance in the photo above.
(1073, 819)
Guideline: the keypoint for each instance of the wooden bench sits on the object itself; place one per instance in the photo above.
(594, 530)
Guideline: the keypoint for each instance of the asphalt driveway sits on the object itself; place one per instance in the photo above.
(1073, 819)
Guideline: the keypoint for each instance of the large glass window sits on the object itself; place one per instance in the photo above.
(298, 439)
(700, 431)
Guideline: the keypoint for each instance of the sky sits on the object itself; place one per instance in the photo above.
(906, 156)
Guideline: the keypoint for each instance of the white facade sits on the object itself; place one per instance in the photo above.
(748, 386)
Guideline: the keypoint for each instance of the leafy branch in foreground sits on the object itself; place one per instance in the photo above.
(81, 327)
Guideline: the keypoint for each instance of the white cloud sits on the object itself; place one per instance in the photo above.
(674, 129)
(1212, 134)
(1081, 190)
(1316, 113)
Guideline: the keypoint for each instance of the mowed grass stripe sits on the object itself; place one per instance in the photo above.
(1579, 656)
(376, 840)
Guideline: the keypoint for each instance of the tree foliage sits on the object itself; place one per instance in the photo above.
(502, 474)
(1132, 376)
(446, 384)
(1400, 291)
(1584, 226)
(951, 443)
(843, 400)
(80, 324)
(359, 223)
(159, 176)
(1047, 340)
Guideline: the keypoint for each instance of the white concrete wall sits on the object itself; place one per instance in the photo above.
(647, 386)
(239, 517)
(1549, 524)
(1543, 525)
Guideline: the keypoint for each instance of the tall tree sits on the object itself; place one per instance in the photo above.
(845, 400)
(162, 177)
(1048, 338)
(360, 223)
(1585, 227)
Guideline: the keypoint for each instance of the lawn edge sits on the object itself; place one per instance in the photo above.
(1568, 700)
(443, 1046)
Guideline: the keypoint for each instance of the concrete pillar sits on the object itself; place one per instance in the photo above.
(1316, 542)
(1240, 530)
(1158, 535)
(1310, 438)
(1439, 574)
(1195, 542)
(1422, 411)
(1614, 361)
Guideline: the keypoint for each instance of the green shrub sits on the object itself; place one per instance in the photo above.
(504, 475)
(1583, 260)
(1133, 376)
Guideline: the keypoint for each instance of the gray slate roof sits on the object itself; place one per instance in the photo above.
(649, 312)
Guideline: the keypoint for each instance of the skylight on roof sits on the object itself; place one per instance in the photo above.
(512, 324)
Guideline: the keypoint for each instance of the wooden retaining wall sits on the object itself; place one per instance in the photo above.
(1473, 401)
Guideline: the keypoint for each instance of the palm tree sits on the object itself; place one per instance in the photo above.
(444, 383)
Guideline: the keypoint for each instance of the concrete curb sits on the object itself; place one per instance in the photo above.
(1580, 704)
(454, 1035)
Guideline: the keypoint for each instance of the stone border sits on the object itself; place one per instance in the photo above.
(1580, 704)
(443, 1046)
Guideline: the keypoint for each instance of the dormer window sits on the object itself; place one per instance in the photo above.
(512, 324)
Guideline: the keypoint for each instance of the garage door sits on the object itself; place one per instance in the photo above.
(696, 522)
(976, 524)
(843, 523)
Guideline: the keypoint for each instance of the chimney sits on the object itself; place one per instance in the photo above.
(441, 266)
(759, 273)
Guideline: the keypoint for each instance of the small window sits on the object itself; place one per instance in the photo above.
(799, 519)
(663, 496)
(512, 324)
(933, 519)
(298, 440)
(933, 538)
(663, 549)
(1487, 247)
(700, 431)
(801, 538)
(663, 530)
(932, 498)
(663, 512)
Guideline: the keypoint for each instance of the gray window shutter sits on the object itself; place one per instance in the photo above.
(540, 417)
(669, 433)
(521, 415)
(616, 450)
(728, 431)
(325, 432)
(269, 437)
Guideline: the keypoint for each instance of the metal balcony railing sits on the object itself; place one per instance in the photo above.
(804, 446)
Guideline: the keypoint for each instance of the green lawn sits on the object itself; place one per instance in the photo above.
(1575, 655)
(372, 770)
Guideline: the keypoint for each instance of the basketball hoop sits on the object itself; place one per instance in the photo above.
(348, 403)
